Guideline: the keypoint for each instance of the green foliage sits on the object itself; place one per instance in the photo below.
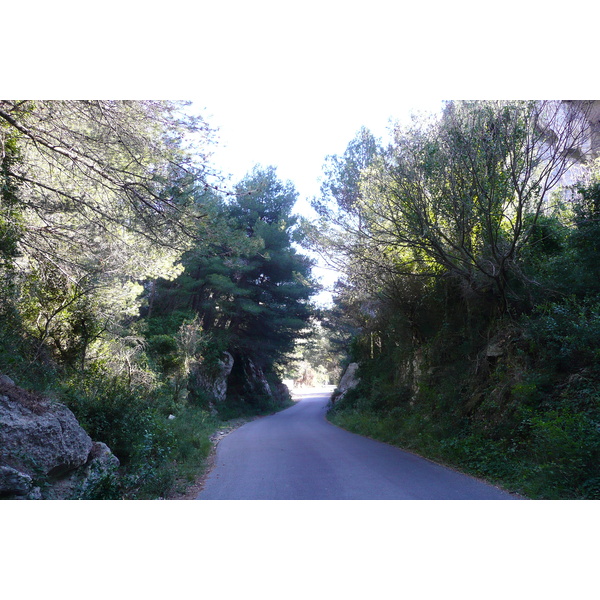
(20, 355)
(248, 287)
(96, 197)
(191, 428)
(456, 197)
(163, 348)
(343, 174)
(159, 455)
(566, 449)
(125, 419)
(585, 238)
(567, 333)
(315, 360)
(277, 280)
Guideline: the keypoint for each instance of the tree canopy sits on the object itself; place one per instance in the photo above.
(251, 287)
(458, 196)
(96, 199)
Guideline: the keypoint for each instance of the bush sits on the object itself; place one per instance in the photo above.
(192, 428)
(566, 451)
(163, 350)
(567, 334)
(130, 422)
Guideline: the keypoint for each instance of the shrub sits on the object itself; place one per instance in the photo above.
(191, 429)
(129, 421)
(566, 449)
(567, 334)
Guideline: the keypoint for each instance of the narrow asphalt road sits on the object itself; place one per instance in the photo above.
(298, 455)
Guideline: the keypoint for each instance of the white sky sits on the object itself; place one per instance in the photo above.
(288, 84)
(295, 135)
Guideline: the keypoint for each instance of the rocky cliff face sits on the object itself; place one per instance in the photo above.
(44, 452)
(234, 378)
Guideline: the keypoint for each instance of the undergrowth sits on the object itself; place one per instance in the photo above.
(528, 420)
(161, 446)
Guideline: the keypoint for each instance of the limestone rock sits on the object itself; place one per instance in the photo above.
(213, 381)
(248, 383)
(220, 381)
(100, 470)
(44, 452)
(501, 343)
(494, 350)
(13, 482)
(256, 382)
(349, 381)
(281, 392)
(39, 437)
(349, 378)
(6, 380)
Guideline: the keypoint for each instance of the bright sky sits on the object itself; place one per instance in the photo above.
(295, 134)
(289, 83)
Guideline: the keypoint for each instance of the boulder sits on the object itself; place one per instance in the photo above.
(494, 350)
(42, 444)
(349, 379)
(6, 380)
(42, 438)
(256, 383)
(281, 392)
(13, 482)
(98, 477)
(249, 384)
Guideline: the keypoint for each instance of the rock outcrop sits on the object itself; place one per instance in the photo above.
(44, 452)
(238, 379)
(348, 382)
(211, 382)
(248, 384)
(255, 381)
(93, 478)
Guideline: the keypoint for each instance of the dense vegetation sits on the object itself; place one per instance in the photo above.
(472, 292)
(126, 272)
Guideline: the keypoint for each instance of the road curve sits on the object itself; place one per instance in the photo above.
(297, 454)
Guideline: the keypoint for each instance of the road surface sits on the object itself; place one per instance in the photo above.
(297, 454)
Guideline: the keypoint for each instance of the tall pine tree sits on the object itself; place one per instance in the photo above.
(248, 286)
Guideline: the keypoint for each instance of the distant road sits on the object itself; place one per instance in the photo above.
(298, 455)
